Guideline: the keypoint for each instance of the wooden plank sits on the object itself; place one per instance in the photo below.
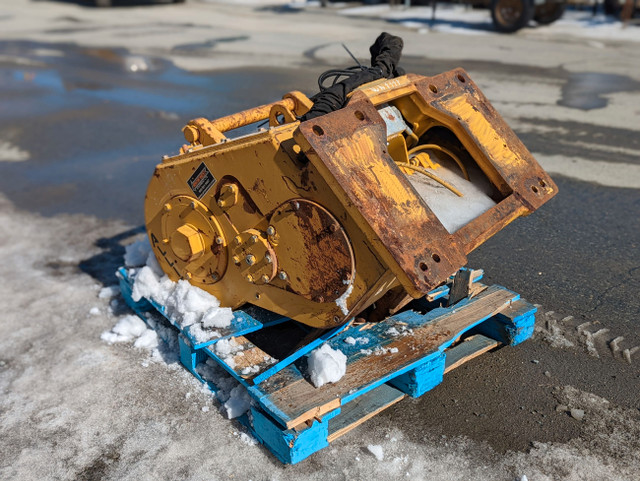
(460, 286)
(365, 407)
(467, 350)
(443, 290)
(298, 400)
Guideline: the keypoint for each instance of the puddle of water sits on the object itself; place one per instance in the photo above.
(94, 129)
(587, 90)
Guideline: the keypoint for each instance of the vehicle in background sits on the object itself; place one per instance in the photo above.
(111, 3)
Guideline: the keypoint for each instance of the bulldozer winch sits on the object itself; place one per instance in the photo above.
(354, 213)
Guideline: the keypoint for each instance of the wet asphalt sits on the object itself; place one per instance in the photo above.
(96, 121)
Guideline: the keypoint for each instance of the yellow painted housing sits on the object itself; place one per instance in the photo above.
(317, 220)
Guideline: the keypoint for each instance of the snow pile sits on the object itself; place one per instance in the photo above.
(452, 211)
(131, 328)
(326, 365)
(187, 305)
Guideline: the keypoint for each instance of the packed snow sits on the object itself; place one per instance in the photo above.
(326, 365)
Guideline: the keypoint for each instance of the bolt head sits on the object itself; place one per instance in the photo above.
(267, 258)
(249, 278)
(265, 278)
(219, 240)
(220, 203)
(250, 259)
(253, 239)
(237, 240)
(271, 230)
(236, 260)
(282, 275)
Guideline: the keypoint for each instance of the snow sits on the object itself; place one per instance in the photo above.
(377, 451)
(326, 365)
(109, 292)
(73, 404)
(136, 253)
(186, 304)
(341, 301)
(94, 311)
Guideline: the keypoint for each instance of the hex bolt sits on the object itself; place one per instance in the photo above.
(220, 203)
(271, 230)
(250, 259)
(167, 207)
(192, 205)
(237, 240)
(333, 227)
(282, 275)
(236, 260)
(219, 240)
(254, 239)
(249, 278)
(265, 279)
(267, 258)
(215, 276)
(296, 205)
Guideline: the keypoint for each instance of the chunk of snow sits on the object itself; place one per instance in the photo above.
(577, 414)
(377, 451)
(129, 327)
(94, 311)
(326, 365)
(136, 253)
(238, 403)
(109, 292)
(350, 340)
(248, 440)
(147, 340)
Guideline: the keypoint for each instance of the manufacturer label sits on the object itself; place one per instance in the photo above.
(201, 181)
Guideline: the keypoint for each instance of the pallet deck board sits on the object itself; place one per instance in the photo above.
(298, 400)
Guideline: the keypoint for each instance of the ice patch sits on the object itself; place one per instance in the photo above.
(326, 365)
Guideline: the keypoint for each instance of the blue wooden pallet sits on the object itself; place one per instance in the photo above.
(406, 354)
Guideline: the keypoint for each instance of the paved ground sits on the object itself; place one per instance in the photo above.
(89, 101)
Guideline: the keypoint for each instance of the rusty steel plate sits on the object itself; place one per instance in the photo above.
(313, 250)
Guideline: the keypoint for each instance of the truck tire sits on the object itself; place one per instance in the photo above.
(511, 15)
(549, 12)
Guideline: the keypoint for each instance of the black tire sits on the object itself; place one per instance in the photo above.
(611, 7)
(511, 15)
(549, 12)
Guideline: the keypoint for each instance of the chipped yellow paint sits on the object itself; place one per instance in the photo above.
(484, 132)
